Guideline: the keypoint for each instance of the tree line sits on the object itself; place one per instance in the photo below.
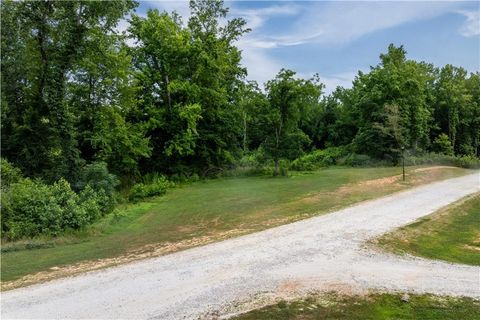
(171, 96)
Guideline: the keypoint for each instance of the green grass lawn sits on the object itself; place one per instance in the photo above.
(370, 307)
(451, 234)
(203, 212)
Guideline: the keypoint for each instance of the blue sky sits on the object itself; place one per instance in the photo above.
(337, 38)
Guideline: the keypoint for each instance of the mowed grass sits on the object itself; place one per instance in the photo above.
(373, 307)
(207, 211)
(451, 234)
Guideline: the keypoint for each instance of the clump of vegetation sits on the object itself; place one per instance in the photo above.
(443, 145)
(97, 177)
(152, 185)
(319, 158)
(469, 162)
(9, 173)
(32, 207)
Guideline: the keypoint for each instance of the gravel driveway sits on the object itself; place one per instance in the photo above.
(322, 253)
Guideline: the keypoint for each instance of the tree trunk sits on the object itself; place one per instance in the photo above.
(276, 172)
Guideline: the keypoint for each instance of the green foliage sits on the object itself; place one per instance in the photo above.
(189, 75)
(9, 173)
(97, 176)
(469, 162)
(253, 163)
(363, 160)
(153, 185)
(442, 159)
(103, 183)
(443, 145)
(43, 44)
(287, 97)
(31, 208)
(319, 158)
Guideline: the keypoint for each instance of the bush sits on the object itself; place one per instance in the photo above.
(283, 166)
(31, 208)
(184, 177)
(153, 186)
(251, 164)
(318, 159)
(442, 145)
(363, 160)
(442, 159)
(469, 162)
(9, 173)
(102, 182)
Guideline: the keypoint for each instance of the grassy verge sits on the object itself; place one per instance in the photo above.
(204, 212)
(373, 306)
(451, 234)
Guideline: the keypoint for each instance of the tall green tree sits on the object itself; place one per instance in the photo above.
(167, 98)
(287, 98)
(51, 37)
(190, 79)
(218, 73)
(395, 81)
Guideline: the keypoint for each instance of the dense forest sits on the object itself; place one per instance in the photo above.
(87, 109)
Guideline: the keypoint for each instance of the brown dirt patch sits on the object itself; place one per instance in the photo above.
(289, 287)
(433, 168)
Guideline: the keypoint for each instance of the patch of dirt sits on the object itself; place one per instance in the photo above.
(145, 252)
(433, 168)
(380, 182)
(289, 286)
(343, 289)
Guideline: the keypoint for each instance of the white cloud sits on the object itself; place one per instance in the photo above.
(471, 26)
(257, 17)
(261, 67)
(341, 22)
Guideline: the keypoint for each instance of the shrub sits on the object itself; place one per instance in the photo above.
(442, 159)
(251, 164)
(156, 186)
(184, 177)
(470, 162)
(9, 173)
(283, 167)
(92, 202)
(363, 160)
(96, 175)
(31, 208)
(318, 159)
(73, 214)
(442, 144)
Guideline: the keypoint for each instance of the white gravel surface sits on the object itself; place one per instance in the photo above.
(322, 253)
